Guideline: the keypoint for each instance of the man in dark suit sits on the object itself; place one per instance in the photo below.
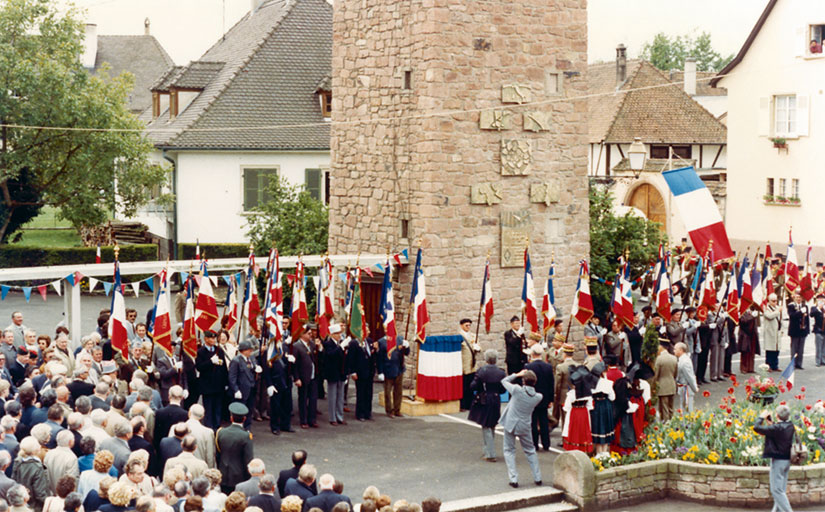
(235, 451)
(242, 372)
(166, 371)
(361, 364)
(266, 499)
(171, 446)
(303, 485)
(17, 368)
(278, 387)
(486, 409)
(799, 326)
(327, 498)
(139, 442)
(170, 415)
(213, 378)
(299, 458)
(304, 371)
(545, 386)
(513, 344)
(78, 386)
(392, 366)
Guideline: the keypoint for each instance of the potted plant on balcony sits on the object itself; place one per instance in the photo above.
(779, 143)
(794, 200)
(768, 198)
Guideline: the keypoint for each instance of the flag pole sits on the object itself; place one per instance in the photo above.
(483, 285)
(410, 311)
(570, 321)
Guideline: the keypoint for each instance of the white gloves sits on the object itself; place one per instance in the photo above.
(150, 369)
(290, 358)
(238, 394)
(179, 365)
(520, 331)
(686, 324)
(270, 390)
(603, 331)
(642, 330)
(662, 329)
(381, 377)
(258, 368)
(712, 325)
(406, 344)
(185, 393)
(476, 346)
(215, 359)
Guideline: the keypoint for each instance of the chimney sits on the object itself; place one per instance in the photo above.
(690, 76)
(146, 27)
(89, 56)
(621, 64)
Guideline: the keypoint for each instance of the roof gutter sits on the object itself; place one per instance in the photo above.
(175, 204)
(745, 47)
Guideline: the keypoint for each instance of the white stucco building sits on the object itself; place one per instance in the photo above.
(775, 91)
(254, 106)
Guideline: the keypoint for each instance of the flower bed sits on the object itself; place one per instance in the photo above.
(724, 434)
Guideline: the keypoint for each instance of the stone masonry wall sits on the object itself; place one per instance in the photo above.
(394, 159)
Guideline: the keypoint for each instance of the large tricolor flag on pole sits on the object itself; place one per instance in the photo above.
(206, 309)
(487, 298)
(745, 285)
(274, 313)
(325, 298)
(300, 315)
(117, 320)
(418, 300)
(189, 337)
(699, 212)
(439, 368)
(230, 306)
(97, 254)
(388, 309)
(582, 301)
(791, 266)
(162, 328)
(548, 302)
(528, 295)
(251, 304)
(806, 284)
(732, 295)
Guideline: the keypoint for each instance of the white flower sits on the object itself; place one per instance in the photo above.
(811, 429)
(811, 437)
(764, 367)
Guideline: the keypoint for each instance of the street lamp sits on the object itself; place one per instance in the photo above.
(637, 154)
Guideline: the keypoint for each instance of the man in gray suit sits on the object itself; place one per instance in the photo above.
(686, 386)
(242, 372)
(516, 422)
(251, 487)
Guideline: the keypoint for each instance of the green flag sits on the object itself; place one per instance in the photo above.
(356, 319)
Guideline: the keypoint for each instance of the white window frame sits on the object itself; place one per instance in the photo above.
(807, 42)
(783, 188)
(272, 167)
(794, 188)
(784, 112)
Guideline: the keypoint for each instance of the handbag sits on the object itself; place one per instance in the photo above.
(799, 452)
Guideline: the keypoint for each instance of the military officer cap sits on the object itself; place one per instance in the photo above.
(210, 334)
(335, 328)
(238, 409)
(665, 342)
(245, 345)
(591, 341)
(559, 337)
(568, 348)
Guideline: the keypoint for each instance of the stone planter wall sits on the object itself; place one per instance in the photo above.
(716, 485)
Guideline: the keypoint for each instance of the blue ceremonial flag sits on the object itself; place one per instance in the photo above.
(27, 291)
(4, 290)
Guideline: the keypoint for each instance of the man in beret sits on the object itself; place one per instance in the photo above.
(234, 447)
(242, 372)
(213, 378)
(513, 343)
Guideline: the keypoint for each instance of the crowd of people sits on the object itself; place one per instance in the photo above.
(87, 429)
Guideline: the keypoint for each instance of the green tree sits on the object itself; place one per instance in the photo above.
(668, 53)
(43, 85)
(610, 237)
(292, 221)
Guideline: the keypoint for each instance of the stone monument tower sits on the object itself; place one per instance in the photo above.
(458, 135)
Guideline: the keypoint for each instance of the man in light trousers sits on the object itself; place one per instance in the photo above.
(686, 386)
(778, 440)
(516, 423)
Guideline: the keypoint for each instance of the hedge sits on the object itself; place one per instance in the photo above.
(213, 251)
(12, 256)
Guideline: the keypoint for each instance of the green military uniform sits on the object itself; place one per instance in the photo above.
(235, 450)
(562, 380)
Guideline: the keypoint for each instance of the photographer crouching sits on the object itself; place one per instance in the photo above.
(779, 437)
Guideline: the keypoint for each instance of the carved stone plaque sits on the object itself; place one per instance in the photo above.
(495, 120)
(515, 230)
(546, 193)
(485, 193)
(515, 93)
(536, 121)
(516, 157)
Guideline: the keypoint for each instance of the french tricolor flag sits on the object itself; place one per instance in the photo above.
(788, 373)
(439, 368)
(548, 302)
(487, 298)
(791, 266)
(97, 254)
(528, 294)
(699, 212)
(117, 321)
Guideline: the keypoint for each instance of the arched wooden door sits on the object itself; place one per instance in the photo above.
(646, 198)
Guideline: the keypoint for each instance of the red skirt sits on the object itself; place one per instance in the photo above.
(579, 437)
(639, 423)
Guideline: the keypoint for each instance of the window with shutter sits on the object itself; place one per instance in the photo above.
(256, 186)
(312, 181)
(784, 115)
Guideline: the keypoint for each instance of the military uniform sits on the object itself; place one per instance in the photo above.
(562, 381)
(234, 450)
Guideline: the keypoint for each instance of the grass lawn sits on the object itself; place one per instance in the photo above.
(47, 219)
(50, 238)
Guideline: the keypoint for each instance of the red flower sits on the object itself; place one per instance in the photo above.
(781, 388)
(808, 407)
(748, 389)
(730, 391)
(728, 423)
(802, 389)
(732, 439)
(706, 393)
(722, 407)
(656, 429)
(733, 400)
(783, 403)
(679, 411)
(727, 410)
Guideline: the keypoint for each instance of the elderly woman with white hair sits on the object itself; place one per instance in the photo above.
(770, 332)
(30, 472)
(18, 497)
(63, 354)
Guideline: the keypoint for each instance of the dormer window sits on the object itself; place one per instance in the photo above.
(326, 103)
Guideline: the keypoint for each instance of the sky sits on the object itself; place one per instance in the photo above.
(187, 28)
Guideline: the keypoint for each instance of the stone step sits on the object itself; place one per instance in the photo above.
(522, 499)
(561, 506)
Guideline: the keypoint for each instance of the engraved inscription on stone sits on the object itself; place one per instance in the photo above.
(495, 120)
(536, 121)
(516, 157)
(515, 232)
(515, 93)
(546, 193)
(485, 193)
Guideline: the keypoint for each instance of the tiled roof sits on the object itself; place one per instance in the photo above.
(703, 79)
(165, 80)
(325, 84)
(197, 75)
(653, 109)
(274, 60)
(655, 164)
(142, 56)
